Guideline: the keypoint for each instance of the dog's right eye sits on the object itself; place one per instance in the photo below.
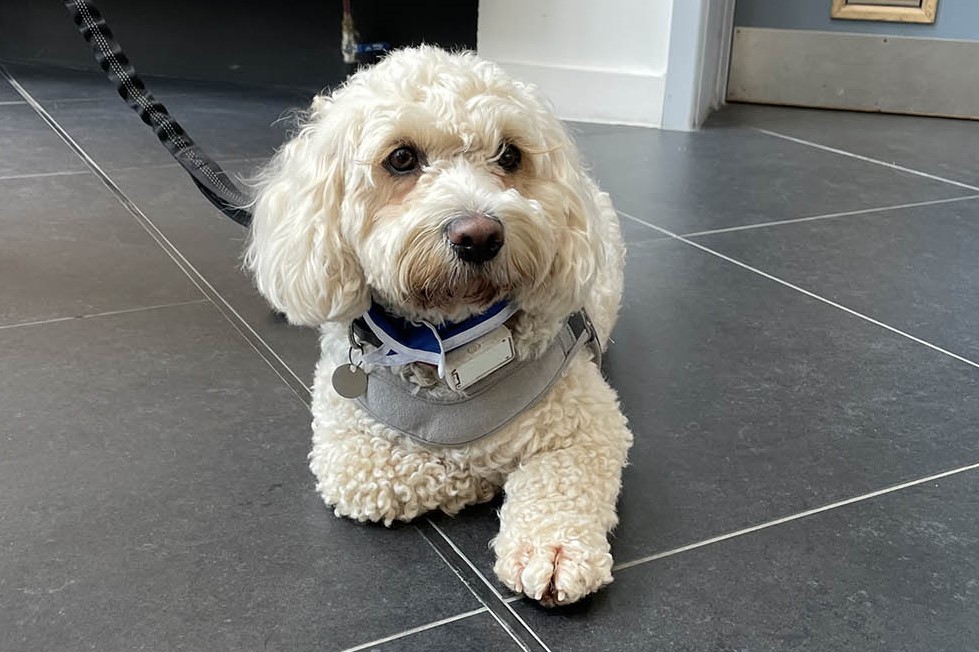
(402, 160)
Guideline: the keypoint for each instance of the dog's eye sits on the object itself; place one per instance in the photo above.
(509, 158)
(402, 160)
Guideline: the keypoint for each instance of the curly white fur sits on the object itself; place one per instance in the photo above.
(334, 227)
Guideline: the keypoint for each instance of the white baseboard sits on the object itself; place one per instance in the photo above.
(864, 72)
(588, 95)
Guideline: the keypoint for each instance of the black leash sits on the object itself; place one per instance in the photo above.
(212, 181)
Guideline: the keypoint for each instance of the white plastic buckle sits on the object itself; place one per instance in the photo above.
(471, 363)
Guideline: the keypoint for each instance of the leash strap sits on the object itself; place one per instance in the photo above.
(212, 181)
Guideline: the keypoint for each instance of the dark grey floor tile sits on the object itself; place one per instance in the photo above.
(725, 177)
(29, 146)
(939, 146)
(214, 245)
(898, 573)
(7, 92)
(224, 126)
(916, 269)
(750, 401)
(55, 83)
(155, 493)
(70, 248)
(480, 632)
(52, 83)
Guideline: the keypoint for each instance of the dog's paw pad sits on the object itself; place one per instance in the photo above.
(555, 574)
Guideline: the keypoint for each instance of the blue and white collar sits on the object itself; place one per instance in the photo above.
(404, 342)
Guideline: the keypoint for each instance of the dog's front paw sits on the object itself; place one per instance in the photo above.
(554, 573)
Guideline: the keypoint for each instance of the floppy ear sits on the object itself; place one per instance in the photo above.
(589, 255)
(606, 255)
(297, 253)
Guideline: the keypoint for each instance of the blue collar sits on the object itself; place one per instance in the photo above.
(404, 342)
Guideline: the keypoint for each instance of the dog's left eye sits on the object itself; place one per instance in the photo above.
(509, 158)
(402, 160)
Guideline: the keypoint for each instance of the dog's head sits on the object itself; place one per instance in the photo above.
(434, 182)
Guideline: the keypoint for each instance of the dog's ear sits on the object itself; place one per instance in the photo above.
(599, 253)
(297, 253)
(581, 252)
(589, 254)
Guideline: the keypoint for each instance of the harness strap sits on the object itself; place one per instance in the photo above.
(487, 406)
(212, 181)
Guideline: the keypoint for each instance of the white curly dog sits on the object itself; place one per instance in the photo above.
(436, 186)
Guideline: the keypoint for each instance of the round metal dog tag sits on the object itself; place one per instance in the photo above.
(350, 381)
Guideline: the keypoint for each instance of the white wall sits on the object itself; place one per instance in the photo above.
(700, 46)
(597, 60)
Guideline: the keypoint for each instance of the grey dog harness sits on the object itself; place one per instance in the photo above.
(488, 405)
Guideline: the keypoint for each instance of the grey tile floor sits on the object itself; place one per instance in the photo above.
(797, 354)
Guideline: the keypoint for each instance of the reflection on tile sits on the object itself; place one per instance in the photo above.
(224, 127)
(939, 146)
(7, 93)
(214, 245)
(52, 83)
(728, 177)
(29, 146)
(70, 249)
(914, 269)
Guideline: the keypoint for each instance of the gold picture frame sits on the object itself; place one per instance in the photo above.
(901, 11)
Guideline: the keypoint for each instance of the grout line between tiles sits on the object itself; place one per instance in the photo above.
(37, 175)
(487, 584)
(866, 159)
(796, 517)
(258, 344)
(827, 216)
(127, 168)
(416, 630)
(477, 585)
(809, 294)
(431, 625)
(108, 313)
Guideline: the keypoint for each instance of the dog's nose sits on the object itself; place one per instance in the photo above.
(475, 237)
